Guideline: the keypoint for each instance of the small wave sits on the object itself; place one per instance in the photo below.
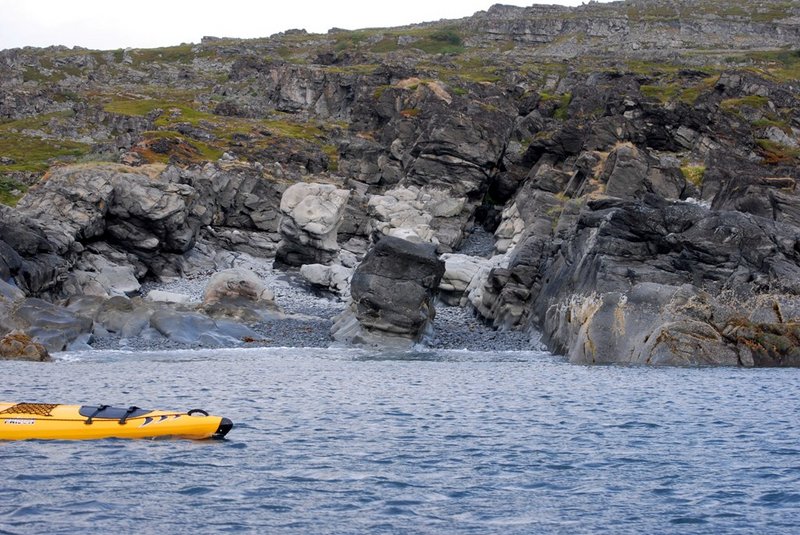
(634, 424)
(688, 520)
(779, 498)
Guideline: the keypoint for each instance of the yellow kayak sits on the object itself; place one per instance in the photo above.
(23, 421)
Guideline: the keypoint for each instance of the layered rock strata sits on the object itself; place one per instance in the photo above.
(393, 293)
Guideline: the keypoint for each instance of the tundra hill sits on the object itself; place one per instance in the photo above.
(297, 98)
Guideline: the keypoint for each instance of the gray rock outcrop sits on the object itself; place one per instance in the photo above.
(311, 216)
(53, 326)
(148, 218)
(241, 206)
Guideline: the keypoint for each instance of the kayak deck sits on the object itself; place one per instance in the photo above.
(44, 421)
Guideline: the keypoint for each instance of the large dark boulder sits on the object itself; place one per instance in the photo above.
(29, 257)
(393, 292)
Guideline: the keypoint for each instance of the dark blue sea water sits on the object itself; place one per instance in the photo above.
(332, 441)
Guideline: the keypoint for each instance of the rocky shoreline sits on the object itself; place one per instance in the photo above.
(467, 183)
(309, 319)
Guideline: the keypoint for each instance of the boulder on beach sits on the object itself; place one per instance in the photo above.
(460, 272)
(237, 284)
(240, 294)
(195, 329)
(393, 292)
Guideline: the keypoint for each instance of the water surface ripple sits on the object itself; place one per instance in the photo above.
(334, 441)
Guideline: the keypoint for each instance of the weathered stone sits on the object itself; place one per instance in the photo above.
(460, 271)
(97, 275)
(651, 324)
(393, 291)
(53, 326)
(312, 214)
(237, 283)
(30, 256)
(335, 278)
(241, 295)
(196, 329)
(17, 345)
(424, 215)
(160, 296)
(631, 173)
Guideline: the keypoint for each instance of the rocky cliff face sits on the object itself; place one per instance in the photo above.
(636, 162)
(643, 28)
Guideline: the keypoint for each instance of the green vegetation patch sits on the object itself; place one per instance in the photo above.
(304, 131)
(442, 41)
(33, 154)
(386, 45)
(783, 64)
(178, 145)
(694, 173)
(752, 101)
(672, 89)
(770, 121)
(134, 107)
(173, 111)
(36, 122)
(663, 93)
(333, 157)
(775, 153)
(545, 68)
(562, 110)
(349, 40)
(171, 54)
(32, 74)
(11, 191)
(477, 69)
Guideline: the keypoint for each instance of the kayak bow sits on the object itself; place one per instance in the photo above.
(44, 421)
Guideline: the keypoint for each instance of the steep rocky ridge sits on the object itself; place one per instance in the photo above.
(637, 162)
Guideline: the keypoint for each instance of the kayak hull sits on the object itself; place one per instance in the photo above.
(37, 421)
